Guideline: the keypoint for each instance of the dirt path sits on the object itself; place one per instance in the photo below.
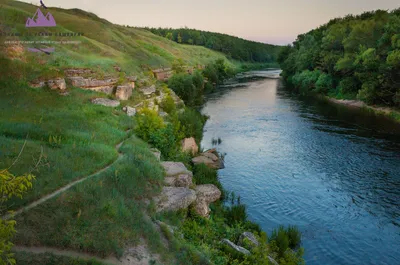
(67, 253)
(138, 255)
(65, 188)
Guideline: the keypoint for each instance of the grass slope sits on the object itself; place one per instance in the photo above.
(102, 46)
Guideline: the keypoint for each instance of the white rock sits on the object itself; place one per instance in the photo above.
(174, 198)
(106, 102)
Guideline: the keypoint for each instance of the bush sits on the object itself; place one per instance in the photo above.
(193, 123)
(164, 140)
(283, 239)
(148, 122)
(168, 104)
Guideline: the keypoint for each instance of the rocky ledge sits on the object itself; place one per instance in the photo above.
(180, 192)
(210, 158)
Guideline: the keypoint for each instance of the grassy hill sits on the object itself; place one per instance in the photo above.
(102, 45)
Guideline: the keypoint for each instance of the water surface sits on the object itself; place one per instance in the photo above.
(332, 171)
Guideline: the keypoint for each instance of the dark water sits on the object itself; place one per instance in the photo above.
(332, 171)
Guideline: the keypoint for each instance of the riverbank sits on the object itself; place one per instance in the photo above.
(389, 112)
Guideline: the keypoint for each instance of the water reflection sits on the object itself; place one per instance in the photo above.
(332, 171)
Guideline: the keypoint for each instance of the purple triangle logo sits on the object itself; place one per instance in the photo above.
(40, 20)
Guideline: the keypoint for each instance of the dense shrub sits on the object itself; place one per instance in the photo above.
(168, 104)
(147, 123)
(193, 123)
(164, 140)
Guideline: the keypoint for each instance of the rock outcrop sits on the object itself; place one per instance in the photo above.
(232, 246)
(250, 238)
(175, 168)
(106, 102)
(205, 194)
(37, 84)
(132, 80)
(129, 111)
(183, 180)
(148, 91)
(174, 198)
(189, 145)
(210, 158)
(177, 175)
(106, 85)
(58, 83)
(123, 92)
(77, 72)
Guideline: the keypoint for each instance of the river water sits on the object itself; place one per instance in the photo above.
(332, 171)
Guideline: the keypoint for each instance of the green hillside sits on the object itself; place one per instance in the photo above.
(103, 44)
(234, 47)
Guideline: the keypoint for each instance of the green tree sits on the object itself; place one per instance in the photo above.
(147, 123)
(178, 66)
(10, 186)
(169, 35)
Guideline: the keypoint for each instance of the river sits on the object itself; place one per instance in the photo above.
(332, 171)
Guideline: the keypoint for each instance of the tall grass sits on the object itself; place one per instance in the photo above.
(74, 137)
(103, 214)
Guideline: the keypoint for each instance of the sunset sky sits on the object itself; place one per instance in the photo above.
(277, 22)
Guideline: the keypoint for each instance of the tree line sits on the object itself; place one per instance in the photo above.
(234, 47)
(355, 57)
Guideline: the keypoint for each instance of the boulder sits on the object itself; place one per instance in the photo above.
(211, 156)
(106, 102)
(123, 92)
(208, 162)
(210, 159)
(174, 198)
(235, 247)
(147, 91)
(169, 181)
(58, 83)
(249, 237)
(205, 194)
(175, 168)
(182, 180)
(189, 145)
(156, 153)
(129, 111)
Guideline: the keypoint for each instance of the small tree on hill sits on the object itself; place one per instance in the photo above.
(11, 186)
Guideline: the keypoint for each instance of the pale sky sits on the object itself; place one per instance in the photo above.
(277, 22)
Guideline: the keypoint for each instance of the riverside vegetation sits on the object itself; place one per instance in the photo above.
(61, 138)
(355, 57)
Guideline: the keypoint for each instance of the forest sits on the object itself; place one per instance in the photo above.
(234, 47)
(355, 57)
